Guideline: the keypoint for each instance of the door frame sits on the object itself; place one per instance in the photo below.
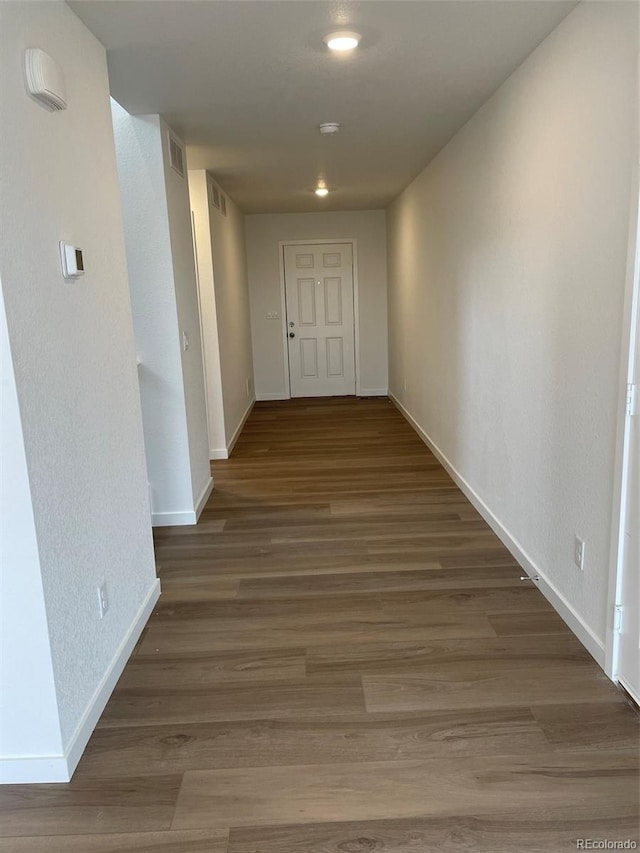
(283, 303)
(621, 481)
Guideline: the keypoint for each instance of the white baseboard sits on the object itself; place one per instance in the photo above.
(204, 497)
(173, 519)
(363, 392)
(225, 452)
(277, 395)
(589, 640)
(189, 516)
(60, 768)
(373, 392)
(29, 770)
(238, 429)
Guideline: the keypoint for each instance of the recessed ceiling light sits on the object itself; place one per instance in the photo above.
(329, 128)
(322, 191)
(342, 41)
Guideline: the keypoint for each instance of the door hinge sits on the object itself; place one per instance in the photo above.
(617, 619)
(632, 398)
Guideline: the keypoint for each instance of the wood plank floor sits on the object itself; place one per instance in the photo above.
(343, 660)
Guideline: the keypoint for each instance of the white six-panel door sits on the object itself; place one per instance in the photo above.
(320, 319)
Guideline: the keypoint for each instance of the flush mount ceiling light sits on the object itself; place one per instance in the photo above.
(329, 128)
(342, 41)
(321, 191)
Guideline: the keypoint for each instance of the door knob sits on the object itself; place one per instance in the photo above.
(292, 334)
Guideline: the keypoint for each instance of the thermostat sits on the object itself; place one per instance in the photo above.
(72, 262)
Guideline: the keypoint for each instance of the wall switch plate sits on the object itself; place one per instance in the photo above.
(185, 341)
(578, 553)
(273, 315)
(103, 599)
(406, 385)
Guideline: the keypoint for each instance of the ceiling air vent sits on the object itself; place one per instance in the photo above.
(176, 155)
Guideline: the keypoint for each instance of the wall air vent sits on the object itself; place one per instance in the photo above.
(216, 196)
(212, 192)
(45, 80)
(176, 155)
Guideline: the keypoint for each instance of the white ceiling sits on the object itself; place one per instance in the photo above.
(246, 82)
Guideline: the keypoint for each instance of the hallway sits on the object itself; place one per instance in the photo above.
(343, 659)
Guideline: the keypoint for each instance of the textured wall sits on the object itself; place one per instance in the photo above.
(232, 308)
(72, 349)
(202, 220)
(155, 315)
(506, 282)
(186, 295)
(28, 706)
(264, 233)
(223, 265)
(155, 204)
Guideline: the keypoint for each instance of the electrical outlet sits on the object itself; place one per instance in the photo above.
(103, 600)
(578, 553)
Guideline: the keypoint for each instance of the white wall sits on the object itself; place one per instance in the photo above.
(29, 724)
(186, 290)
(226, 326)
(506, 282)
(264, 233)
(202, 226)
(74, 365)
(155, 204)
